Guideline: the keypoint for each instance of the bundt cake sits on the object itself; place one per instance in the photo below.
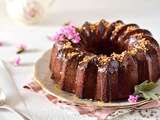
(104, 61)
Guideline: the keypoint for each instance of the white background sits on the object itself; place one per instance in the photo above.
(143, 12)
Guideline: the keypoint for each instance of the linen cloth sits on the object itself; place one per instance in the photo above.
(101, 113)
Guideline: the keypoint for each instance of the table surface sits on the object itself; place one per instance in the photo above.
(145, 13)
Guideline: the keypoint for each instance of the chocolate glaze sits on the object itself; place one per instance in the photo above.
(128, 76)
(112, 76)
(132, 34)
(55, 64)
(143, 72)
(68, 71)
(86, 79)
(154, 69)
(122, 31)
(90, 81)
(102, 90)
(109, 47)
(130, 55)
(101, 35)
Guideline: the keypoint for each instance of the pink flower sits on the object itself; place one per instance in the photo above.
(21, 48)
(67, 32)
(17, 61)
(132, 98)
(77, 38)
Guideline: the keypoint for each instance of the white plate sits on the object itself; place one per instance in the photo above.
(42, 76)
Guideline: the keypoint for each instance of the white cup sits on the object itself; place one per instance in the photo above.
(28, 11)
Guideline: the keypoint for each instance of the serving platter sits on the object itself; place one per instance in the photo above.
(42, 76)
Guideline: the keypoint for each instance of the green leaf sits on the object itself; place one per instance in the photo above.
(146, 90)
(146, 86)
(149, 96)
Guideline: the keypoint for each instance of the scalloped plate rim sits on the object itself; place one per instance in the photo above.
(65, 96)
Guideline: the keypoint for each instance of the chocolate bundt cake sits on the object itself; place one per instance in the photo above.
(107, 62)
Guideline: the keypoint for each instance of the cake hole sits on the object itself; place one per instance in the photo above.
(103, 50)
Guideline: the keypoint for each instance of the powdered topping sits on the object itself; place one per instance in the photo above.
(142, 44)
(103, 59)
(130, 28)
(140, 35)
(93, 27)
(139, 45)
(87, 58)
(67, 32)
(118, 57)
(67, 45)
(133, 51)
(117, 27)
(70, 54)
